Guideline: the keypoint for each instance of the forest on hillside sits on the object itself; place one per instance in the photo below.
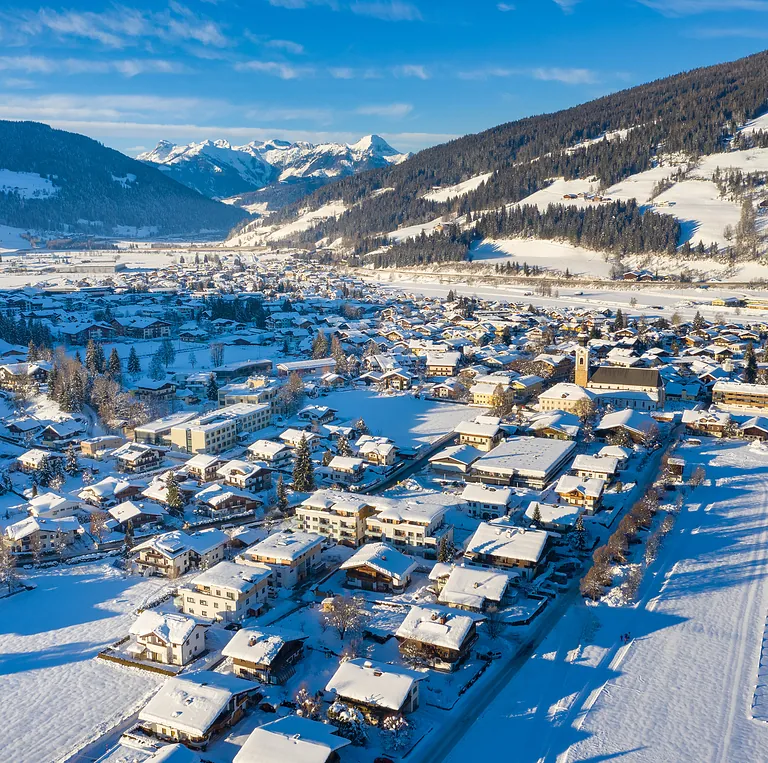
(693, 113)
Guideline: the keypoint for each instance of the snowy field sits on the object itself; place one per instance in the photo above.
(460, 189)
(403, 418)
(682, 689)
(56, 694)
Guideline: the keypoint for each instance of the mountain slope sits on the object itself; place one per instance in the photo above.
(56, 180)
(603, 142)
(220, 170)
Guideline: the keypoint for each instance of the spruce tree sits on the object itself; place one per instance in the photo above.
(156, 370)
(579, 535)
(343, 447)
(320, 345)
(303, 468)
(134, 364)
(114, 366)
(212, 388)
(282, 495)
(101, 360)
(750, 365)
(91, 358)
(338, 354)
(173, 495)
(73, 465)
(536, 518)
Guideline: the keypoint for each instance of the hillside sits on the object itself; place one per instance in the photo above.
(658, 144)
(276, 172)
(54, 180)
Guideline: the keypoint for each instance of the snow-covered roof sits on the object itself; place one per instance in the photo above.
(292, 739)
(285, 546)
(436, 627)
(567, 391)
(267, 447)
(259, 646)
(500, 538)
(202, 461)
(191, 703)
(600, 464)
(232, 576)
(563, 514)
(346, 463)
(629, 419)
(172, 628)
(176, 542)
(591, 488)
(25, 527)
(469, 586)
(382, 558)
(476, 492)
(372, 683)
(129, 510)
(105, 488)
(528, 456)
(336, 500)
(476, 429)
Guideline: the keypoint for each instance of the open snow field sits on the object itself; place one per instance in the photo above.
(55, 694)
(682, 689)
(405, 419)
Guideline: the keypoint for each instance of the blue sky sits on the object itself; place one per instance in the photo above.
(417, 72)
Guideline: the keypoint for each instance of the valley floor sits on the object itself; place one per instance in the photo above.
(683, 688)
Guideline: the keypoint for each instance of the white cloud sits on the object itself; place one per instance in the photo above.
(342, 72)
(287, 45)
(411, 70)
(275, 68)
(128, 67)
(566, 5)
(393, 10)
(568, 76)
(389, 110)
(691, 7)
(505, 7)
(118, 27)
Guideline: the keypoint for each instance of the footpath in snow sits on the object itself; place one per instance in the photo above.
(682, 689)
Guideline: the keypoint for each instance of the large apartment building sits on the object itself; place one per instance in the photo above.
(292, 556)
(742, 395)
(335, 514)
(218, 431)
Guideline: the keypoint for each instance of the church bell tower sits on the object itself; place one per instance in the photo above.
(582, 361)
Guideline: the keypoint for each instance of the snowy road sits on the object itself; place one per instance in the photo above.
(682, 689)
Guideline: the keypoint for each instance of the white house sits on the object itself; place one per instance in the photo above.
(168, 638)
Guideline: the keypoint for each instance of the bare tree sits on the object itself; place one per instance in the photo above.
(217, 354)
(8, 575)
(698, 476)
(98, 525)
(36, 548)
(494, 624)
(346, 614)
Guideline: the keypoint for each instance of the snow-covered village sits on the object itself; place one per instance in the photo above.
(384, 381)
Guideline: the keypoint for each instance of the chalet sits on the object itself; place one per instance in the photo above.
(443, 363)
(174, 553)
(346, 470)
(33, 460)
(38, 533)
(266, 655)
(377, 689)
(445, 638)
(454, 460)
(470, 588)
(556, 425)
(274, 454)
(578, 492)
(226, 592)
(59, 433)
(376, 450)
(524, 388)
(136, 515)
(600, 467)
(450, 389)
(292, 738)
(222, 501)
(139, 327)
(379, 567)
(396, 379)
(167, 638)
(193, 707)
(714, 423)
(81, 333)
(556, 517)
(108, 492)
(134, 457)
(305, 367)
(16, 376)
(498, 543)
(203, 467)
(482, 432)
(154, 391)
(635, 426)
(50, 505)
(755, 428)
(487, 502)
(565, 397)
(317, 414)
(245, 475)
(618, 452)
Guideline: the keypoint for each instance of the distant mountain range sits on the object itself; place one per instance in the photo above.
(52, 180)
(277, 170)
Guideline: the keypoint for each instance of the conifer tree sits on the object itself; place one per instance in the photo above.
(579, 535)
(282, 495)
(303, 468)
(320, 345)
(114, 366)
(212, 388)
(134, 364)
(156, 370)
(338, 354)
(173, 496)
(73, 465)
(91, 358)
(343, 448)
(750, 365)
(536, 518)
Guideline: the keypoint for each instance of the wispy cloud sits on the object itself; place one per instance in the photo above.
(717, 33)
(505, 7)
(390, 110)
(568, 76)
(287, 45)
(692, 7)
(411, 70)
(275, 68)
(128, 67)
(386, 10)
(566, 5)
(118, 27)
(394, 10)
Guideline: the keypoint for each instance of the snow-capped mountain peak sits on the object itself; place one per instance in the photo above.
(217, 168)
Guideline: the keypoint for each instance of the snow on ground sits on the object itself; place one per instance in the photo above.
(405, 419)
(702, 212)
(761, 123)
(553, 194)
(28, 185)
(56, 694)
(412, 231)
(641, 185)
(682, 689)
(558, 255)
(11, 240)
(460, 189)
(749, 160)
(255, 235)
